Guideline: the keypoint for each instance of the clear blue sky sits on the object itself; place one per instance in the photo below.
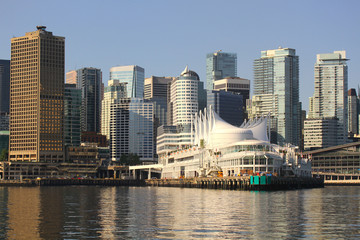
(165, 36)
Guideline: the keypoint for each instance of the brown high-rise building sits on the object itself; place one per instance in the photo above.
(36, 101)
(71, 77)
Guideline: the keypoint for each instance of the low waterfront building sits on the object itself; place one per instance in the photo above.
(341, 162)
(172, 138)
(218, 147)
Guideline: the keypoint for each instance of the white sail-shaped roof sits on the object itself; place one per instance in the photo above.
(216, 132)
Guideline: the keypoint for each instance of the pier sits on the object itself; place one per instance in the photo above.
(240, 183)
(265, 183)
(68, 182)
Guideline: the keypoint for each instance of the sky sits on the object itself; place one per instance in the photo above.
(165, 36)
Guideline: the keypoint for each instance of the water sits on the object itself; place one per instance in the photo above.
(90, 212)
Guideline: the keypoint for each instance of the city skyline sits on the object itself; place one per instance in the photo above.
(160, 46)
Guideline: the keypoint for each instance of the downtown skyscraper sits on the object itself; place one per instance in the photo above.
(329, 102)
(276, 90)
(37, 92)
(89, 80)
(220, 65)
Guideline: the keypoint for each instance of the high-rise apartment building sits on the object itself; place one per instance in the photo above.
(36, 100)
(220, 65)
(330, 96)
(331, 80)
(353, 112)
(72, 110)
(133, 75)
(184, 99)
(89, 80)
(276, 75)
(131, 129)
(4, 86)
(113, 94)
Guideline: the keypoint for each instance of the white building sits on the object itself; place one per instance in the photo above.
(320, 133)
(131, 129)
(184, 102)
(217, 146)
(330, 97)
(112, 94)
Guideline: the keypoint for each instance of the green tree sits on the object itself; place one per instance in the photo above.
(4, 154)
(130, 159)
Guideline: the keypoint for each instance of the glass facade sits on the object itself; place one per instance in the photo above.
(4, 86)
(228, 105)
(89, 80)
(133, 75)
(4, 140)
(72, 109)
(220, 65)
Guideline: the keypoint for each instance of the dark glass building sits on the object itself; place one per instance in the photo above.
(89, 80)
(228, 105)
(4, 86)
(72, 108)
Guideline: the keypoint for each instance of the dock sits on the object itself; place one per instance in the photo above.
(69, 182)
(264, 183)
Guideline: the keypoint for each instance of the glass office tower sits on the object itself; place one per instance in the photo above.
(133, 75)
(89, 80)
(220, 65)
(276, 75)
(72, 109)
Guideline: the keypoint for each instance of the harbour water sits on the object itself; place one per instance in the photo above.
(83, 212)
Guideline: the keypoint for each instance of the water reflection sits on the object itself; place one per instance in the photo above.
(180, 213)
(23, 206)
